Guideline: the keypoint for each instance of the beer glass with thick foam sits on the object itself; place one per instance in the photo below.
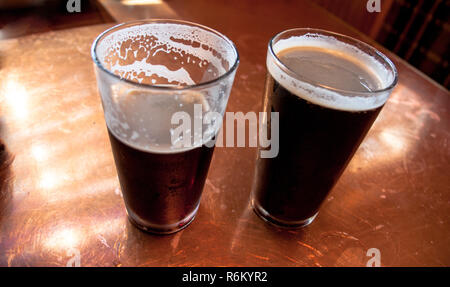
(164, 86)
(327, 89)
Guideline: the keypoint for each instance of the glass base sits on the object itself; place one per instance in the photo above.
(158, 228)
(264, 215)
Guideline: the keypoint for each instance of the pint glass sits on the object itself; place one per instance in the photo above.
(327, 89)
(164, 86)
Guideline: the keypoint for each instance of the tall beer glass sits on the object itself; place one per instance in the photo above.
(328, 90)
(164, 86)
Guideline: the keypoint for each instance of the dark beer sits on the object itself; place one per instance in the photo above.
(316, 143)
(162, 190)
(319, 131)
(161, 183)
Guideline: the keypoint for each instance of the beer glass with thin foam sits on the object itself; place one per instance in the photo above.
(327, 89)
(155, 77)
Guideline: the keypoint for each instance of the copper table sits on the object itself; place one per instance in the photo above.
(60, 200)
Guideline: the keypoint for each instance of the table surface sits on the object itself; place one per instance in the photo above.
(60, 199)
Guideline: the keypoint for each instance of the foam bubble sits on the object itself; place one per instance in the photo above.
(180, 75)
(327, 97)
(127, 52)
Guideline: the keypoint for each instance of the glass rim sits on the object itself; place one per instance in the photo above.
(330, 33)
(159, 87)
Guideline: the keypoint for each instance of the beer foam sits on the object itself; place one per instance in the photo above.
(334, 99)
(162, 55)
(142, 120)
(176, 40)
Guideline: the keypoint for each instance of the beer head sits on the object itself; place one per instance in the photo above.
(168, 53)
(150, 70)
(331, 70)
